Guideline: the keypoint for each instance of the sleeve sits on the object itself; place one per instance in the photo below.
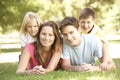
(101, 35)
(23, 40)
(65, 51)
(30, 49)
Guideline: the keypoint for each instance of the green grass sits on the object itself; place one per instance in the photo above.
(10, 50)
(114, 41)
(7, 72)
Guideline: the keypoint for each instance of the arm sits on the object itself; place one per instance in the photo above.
(23, 65)
(110, 63)
(105, 51)
(22, 48)
(23, 62)
(53, 62)
(66, 65)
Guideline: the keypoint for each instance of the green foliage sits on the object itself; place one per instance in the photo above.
(13, 11)
(7, 72)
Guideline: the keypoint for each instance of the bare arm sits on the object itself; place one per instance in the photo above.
(53, 62)
(66, 65)
(22, 48)
(23, 62)
(110, 63)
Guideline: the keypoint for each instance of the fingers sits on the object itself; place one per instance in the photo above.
(38, 70)
(103, 66)
(86, 67)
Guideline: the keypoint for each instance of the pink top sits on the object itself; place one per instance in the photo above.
(33, 61)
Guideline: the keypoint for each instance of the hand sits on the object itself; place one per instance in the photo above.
(103, 66)
(38, 70)
(86, 67)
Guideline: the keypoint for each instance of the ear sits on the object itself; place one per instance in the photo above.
(79, 29)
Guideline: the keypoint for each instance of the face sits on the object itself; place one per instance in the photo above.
(32, 27)
(71, 35)
(86, 24)
(47, 36)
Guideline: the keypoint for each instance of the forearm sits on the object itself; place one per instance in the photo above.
(28, 72)
(72, 68)
(49, 69)
(96, 68)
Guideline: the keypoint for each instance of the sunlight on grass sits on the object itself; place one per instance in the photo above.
(7, 72)
(103, 77)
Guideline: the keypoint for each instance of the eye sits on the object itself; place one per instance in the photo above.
(71, 32)
(35, 26)
(44, 34)
(50, 34)
(29, 26)
(88, 22)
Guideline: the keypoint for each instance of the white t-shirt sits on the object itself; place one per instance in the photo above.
(26, 39)
(86, 52)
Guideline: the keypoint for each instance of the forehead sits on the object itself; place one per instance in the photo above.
(89, 18)
(48, 29)
(68, 29)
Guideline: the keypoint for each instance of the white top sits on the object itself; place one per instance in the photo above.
(86, 52)
(26, 39)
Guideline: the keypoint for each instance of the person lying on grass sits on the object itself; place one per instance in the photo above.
(43, 55)
(79, 50)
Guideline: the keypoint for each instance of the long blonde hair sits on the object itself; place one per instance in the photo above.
(29, 16)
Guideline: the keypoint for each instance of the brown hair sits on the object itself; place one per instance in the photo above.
(69, 21)
(86, 12)
(54, 46)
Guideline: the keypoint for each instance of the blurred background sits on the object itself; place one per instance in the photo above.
(13, 11)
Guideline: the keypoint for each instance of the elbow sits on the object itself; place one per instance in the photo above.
(114, 66)
(63, 67)
(19, 72)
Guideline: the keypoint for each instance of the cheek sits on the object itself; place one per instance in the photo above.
(53, 39)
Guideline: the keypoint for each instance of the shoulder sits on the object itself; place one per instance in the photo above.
(29, 46)
(89, 38)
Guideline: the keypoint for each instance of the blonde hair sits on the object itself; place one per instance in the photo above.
(29, 16)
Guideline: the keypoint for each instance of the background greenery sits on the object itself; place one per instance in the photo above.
(13, 11)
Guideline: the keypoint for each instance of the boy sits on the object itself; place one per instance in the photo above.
(87, 25)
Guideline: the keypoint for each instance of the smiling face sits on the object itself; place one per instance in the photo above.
(71, 35)
(32, 27)
(87, 24)
(47, 36)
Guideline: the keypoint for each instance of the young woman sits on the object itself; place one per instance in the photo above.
(43, 55)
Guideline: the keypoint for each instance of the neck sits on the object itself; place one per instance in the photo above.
(46, 49)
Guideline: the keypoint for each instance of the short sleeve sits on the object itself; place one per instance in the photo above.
(65, 51)
(98, 47)
(23, 40)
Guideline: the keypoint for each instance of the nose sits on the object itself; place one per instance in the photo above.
(69, 37)
(85, 24)
(33, 28)
(46, 37)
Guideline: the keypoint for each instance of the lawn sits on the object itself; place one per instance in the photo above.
(7, 72)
